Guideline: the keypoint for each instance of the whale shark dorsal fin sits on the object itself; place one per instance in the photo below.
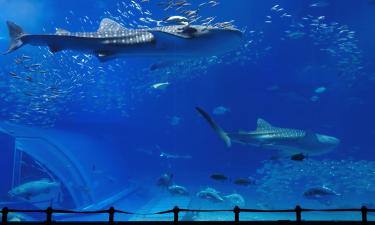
(263, 125)
(108, 25)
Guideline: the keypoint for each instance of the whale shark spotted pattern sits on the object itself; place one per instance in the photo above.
(288, 141)
(112, 40)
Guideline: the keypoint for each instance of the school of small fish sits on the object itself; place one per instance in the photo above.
(39, 86)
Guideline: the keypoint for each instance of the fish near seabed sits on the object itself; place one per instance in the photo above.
(33, 188)
(210, 194)
(322, 194)
(177, 190)
(235, 199)
(113, 40)
(165, 180)
(288, 141)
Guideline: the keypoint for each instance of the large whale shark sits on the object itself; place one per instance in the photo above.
(288, 141)
(112, 40)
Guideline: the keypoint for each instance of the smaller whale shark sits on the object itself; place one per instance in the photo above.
(288, 141)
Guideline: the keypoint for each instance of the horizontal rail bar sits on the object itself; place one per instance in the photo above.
(188, 210)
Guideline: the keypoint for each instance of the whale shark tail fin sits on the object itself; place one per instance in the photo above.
(15, 34)
(222, 134)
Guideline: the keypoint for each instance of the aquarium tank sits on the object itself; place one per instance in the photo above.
(144, 105)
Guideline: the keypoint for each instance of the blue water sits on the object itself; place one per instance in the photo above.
(306, 65)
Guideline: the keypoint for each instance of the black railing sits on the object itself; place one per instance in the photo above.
(176, 210)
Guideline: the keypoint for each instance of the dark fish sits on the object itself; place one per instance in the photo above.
(165, 180)
(298, 157)
(29, 78)
(320, 193)
(13, 74)
(244, 181)
(219, 177)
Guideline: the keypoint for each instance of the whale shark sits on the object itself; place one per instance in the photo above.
(112, 40)
(288, 141)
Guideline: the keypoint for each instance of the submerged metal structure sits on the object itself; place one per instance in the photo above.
(32, 153)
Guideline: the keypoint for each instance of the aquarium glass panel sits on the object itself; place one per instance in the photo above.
(145, 105)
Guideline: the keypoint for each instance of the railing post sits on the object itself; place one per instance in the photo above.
(111, 218)
(298, 215)
(236, 211)
(49, 212)
(4, 216)
(364, 215)
(176, 210)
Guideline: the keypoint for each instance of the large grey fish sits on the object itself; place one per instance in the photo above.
(210, 194)
(235, 199)
(112, 40)
(34, 188)
(288, 141)
(177, 190)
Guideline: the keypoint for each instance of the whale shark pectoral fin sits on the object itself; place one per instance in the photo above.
(109, 25)
(104, 56)
(54, 48)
